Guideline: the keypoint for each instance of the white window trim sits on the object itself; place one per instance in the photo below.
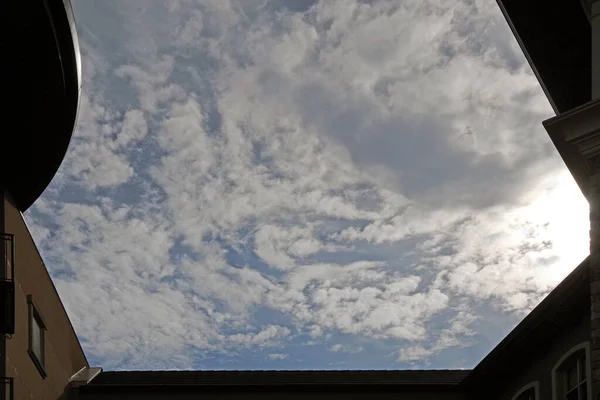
(588, 371)
(534, 384)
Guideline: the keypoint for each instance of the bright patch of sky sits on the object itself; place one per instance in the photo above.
(279, 184)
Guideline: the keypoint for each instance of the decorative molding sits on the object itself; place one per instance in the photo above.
(588, 145)
(576, 135)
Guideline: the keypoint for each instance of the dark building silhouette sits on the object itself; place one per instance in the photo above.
(554, 353)
(41, 69)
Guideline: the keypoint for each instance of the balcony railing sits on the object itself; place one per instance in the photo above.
(7, 283)
(7, 386)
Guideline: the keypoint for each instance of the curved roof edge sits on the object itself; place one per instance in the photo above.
(45, 87)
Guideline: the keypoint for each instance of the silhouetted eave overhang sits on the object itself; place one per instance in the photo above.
(43, 81)
(277, 381)
(276, 388)
(556, 39)
(576, 136)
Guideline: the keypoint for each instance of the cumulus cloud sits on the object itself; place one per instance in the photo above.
(454, 335)
(263, 338)
(249, 175)
(336, 347)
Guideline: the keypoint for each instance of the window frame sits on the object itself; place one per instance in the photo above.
(35, 317)
(536, 389)
(558, 379)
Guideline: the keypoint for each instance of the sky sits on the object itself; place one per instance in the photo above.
(279, 184)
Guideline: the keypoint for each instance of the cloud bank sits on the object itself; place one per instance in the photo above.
(259, 184)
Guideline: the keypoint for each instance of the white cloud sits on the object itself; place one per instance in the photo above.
(277, 356)
(266, 337)
(134, 128)
(452, 336)
(336, 347)
(355, 170)
(414, 353)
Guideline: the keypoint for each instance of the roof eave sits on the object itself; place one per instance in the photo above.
(274, 387)
(576, 136)
(556, 41)
(513, 29)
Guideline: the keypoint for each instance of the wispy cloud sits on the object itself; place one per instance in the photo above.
(247, 177)
(277, 356)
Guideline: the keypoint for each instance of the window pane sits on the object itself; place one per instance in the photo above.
(36, 334)
(573, 395)
(36, 340)
(529, 394)
(583, 391)
(582, 365)
(572, 380)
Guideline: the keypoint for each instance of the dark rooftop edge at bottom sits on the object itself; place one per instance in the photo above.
(274, 380)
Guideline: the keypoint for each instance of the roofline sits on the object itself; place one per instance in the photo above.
(270, 387)
(527, 56)
(532, 320)
(278, 379)
(285, 371)
(75, 43)
(61, 20)
(87, 364)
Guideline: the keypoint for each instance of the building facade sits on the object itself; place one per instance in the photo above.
(40, 355)
(561, 41)
(554, 353)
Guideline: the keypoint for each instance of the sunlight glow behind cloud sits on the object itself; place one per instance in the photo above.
(351, 184)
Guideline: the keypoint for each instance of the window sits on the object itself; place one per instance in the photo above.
(528, 392)
(571, 375)
(37, 336)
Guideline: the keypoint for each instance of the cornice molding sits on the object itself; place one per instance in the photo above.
(576, 135)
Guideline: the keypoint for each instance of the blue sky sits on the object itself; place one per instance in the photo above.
(278, 184)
